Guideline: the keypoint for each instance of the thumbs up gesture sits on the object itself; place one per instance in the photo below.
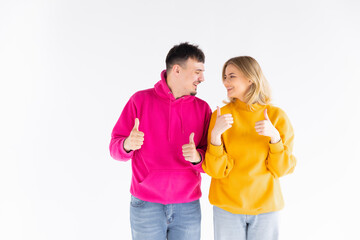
(189, 151)
(136, 138)
(223, 123)
(266, 128)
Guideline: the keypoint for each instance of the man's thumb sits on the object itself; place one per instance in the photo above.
(136, 125)
(191, 138)
(218, 111)
(265, 115)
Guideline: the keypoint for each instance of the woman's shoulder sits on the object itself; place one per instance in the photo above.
(277, 115)
(275, 110)
(227, 108)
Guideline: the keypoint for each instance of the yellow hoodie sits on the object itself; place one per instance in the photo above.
(245, 169)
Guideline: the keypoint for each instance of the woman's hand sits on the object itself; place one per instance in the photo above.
(223, 123)
(266, 128)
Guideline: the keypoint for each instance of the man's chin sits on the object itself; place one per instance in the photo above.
(193, 93)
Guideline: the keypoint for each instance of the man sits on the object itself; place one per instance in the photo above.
(164, 131)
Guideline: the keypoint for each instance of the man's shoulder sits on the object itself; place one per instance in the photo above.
(201, 102)
(143, 94)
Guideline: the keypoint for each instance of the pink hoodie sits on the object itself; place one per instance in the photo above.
(159, 171)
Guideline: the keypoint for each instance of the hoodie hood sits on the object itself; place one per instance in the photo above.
(162, 89)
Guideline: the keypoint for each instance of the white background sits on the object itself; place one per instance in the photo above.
(67, 68)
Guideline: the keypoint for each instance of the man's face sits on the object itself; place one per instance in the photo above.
(190, 76)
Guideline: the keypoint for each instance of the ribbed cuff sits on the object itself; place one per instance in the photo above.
(122, 150)
(201, 157)
(217, 151)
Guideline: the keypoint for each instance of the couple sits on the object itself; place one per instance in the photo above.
(171, 137)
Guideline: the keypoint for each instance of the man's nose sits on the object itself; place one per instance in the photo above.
(201, 78)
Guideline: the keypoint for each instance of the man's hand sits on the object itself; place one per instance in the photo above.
(136, 138)
(189, 151)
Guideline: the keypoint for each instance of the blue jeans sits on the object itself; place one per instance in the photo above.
(155, 221)
(229, 226)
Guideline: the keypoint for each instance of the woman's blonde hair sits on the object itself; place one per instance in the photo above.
(259, 91)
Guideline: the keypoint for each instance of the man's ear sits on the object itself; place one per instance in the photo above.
(176, 69)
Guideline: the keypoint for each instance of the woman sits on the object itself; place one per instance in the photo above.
(249, 148)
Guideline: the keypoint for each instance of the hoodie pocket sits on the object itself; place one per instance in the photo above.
(171, 185)
(139, 169)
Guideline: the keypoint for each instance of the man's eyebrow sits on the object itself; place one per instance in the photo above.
(199, 69)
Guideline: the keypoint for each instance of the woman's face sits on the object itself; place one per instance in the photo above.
(235, 82)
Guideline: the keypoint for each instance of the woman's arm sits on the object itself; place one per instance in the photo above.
(280, 160)
(218, 163)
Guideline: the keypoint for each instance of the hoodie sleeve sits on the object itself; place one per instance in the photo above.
(201, 147)
(217, 163)
(121, 131)
(280, 160)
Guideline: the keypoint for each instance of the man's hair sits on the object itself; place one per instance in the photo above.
(179, 54)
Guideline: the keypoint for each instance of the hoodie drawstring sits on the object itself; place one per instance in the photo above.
(181, 119)
(169, 118)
